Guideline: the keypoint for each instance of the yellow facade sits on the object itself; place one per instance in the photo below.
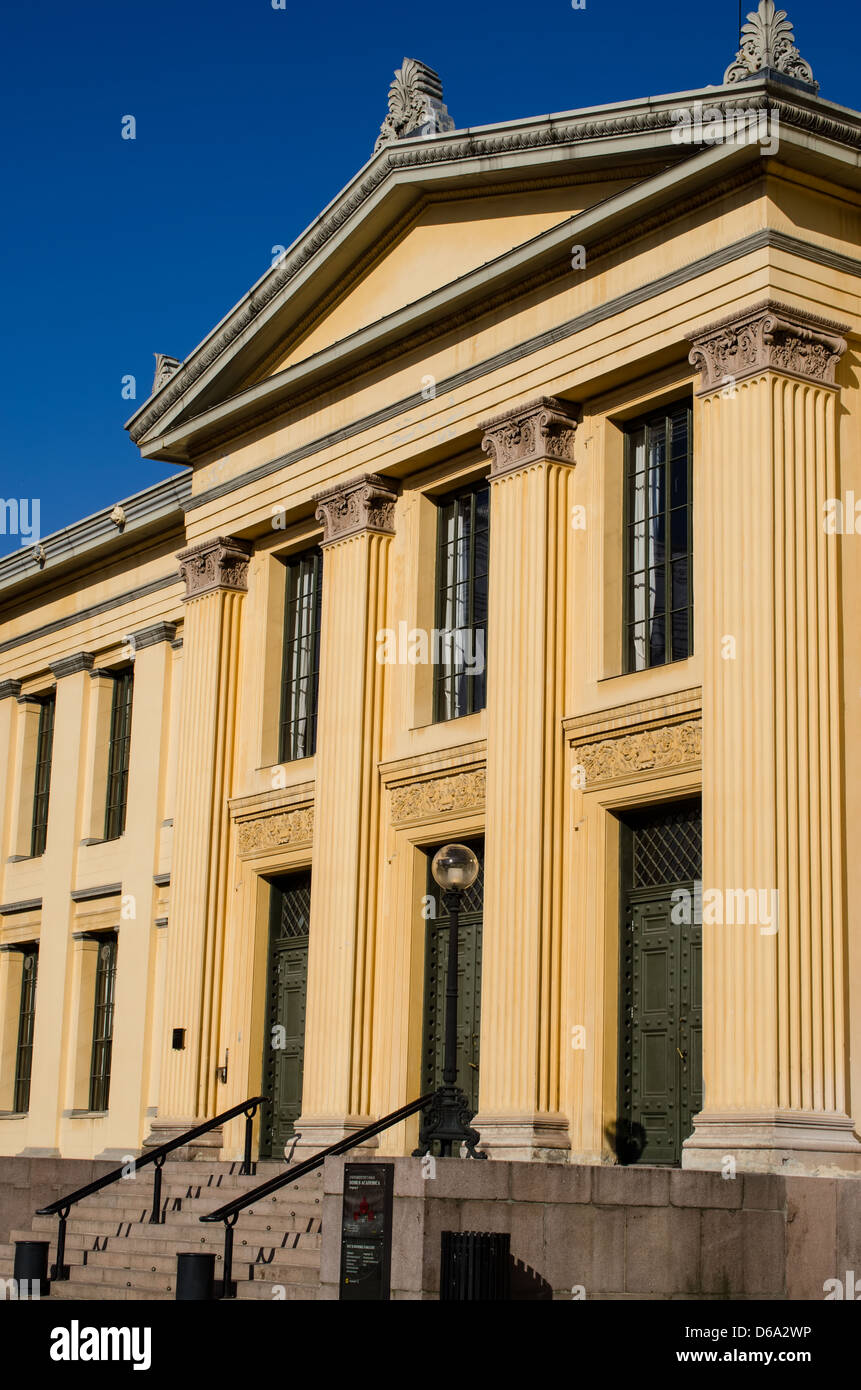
(437, 327)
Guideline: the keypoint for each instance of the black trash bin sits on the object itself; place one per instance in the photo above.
(195, 1277)
(475, 1265)
(31, 1268)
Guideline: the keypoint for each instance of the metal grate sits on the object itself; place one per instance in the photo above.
(296, 906)
(668, 847)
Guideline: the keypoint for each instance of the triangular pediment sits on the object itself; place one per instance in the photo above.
(432, 225)
(443, 242)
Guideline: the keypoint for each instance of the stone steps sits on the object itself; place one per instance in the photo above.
(118, 1225)
(276, 1250)
(135, 1195)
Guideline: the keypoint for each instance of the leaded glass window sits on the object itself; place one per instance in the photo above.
(301, 663)
(118, 755)
(659, 541)
(26, 1022)
(41, 791)
(103, 1023)
(460, 640)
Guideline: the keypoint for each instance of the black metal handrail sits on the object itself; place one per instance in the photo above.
(62, 1207)
(229, 1213)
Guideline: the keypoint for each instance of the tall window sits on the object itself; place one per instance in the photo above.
(118, 755)
(301, 665)
(26, 1019)
(103, 1023)
(460, 646)
(44, 746)
(659, 564)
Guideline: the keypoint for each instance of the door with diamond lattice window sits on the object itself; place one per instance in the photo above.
(287, 981)
(660, 1073)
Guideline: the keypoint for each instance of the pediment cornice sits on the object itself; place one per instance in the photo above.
(615, 136)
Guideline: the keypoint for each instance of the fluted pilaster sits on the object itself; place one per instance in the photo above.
(215, 573)
(773, 1007)
(532, 456)
(358, 522)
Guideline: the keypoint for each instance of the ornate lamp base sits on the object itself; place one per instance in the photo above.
(447, 1123)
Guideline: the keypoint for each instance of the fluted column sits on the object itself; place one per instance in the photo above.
(532, 455)
(51, 1033)
(358, 523)
(215, 574)
(773, 910)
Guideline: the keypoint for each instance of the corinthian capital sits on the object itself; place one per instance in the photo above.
(540, 430)
(770, 337)
(362, 504)
(220, 563)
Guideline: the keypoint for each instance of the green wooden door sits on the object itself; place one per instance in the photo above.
(287, 981)
(469, 986)
(661, 996)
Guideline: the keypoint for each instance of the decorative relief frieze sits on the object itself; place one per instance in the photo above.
(542, 429)
(439, 796)
(769, 337)
(284, 828)
(220, 563)
(646, 750)
(362, 504)
(768, 43)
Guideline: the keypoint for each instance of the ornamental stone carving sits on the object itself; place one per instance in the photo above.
(165, 368)
(459, 791)
(220, 563)
(542, 429)
(769, 337)
(768, 44)
(415, 105)
(285, 828)
(647, 750)
(362, 504)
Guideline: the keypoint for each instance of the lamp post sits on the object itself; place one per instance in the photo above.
(455, 868)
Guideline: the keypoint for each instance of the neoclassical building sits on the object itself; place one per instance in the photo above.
(515, 507)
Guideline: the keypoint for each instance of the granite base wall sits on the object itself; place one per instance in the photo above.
(618, 1233)
(29, 1183)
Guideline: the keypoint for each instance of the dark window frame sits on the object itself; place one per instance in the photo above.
(42, 778)
(666, 634)
(103, 1022)
(300, 660)
(26, 1028)
(116, 794)
(457, 692)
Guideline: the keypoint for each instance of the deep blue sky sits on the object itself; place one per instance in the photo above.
(249, 120)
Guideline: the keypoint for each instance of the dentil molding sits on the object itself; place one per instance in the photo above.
(220, 563)
(542, 429)
(769, 337)
(362, 504)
